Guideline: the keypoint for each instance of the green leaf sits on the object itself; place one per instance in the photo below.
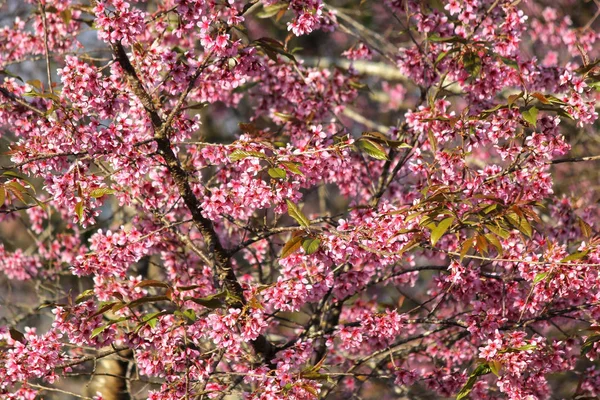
(7, 72)
(198, 106)
(520, 223)
(243, 88)
(575, 256)
(400, 145)
(494, 109)
(587, 68)
(147, 299)
(595, 86)
(483, 369)
(526, 347)
(66, 15)
(511, 63)
(51, 96)
(152, 283)
(293, 167)
(503, 233)
(212, 301)
(237, 155)
(444, 54)
(495, 242)
(472, 63)
(531, 115)
(84, 295)
(2, 195)
(372, 148)
(96, 193)
(310, 245)
(277, 173)
(99, 330)
(284, 116)
(104, 307)
(589, 344)
(466, 246)
(36, 83)
(272, 46)
(295, 213)
(102, 328)
(490, 208)
(272, 10)
(450, 39)
(495, 367)
(540, 277)
(39, 203)
(291, 246)
(16, 189)
(189, 314)
(150, 319)
(438, 231)
(79, 210)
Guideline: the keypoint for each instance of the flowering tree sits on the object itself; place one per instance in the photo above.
(298, 199)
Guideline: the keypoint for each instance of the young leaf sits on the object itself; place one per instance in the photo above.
(438, 231)
(189, 314)
(152, 283)
(104, 308)
(310, 245)
(472, 63)
(495, 367)
(482, 244)
(79, 210)
(540, 277)
(466, 246)
(102, 328)
(584, 227)
(589, 344)
(295, 213)
(511, 63)
(293, 167)
(212, 301)
(16, 189)
(147, 299)
(495, 242)
(543, 99)
(448, 39)
(84, 295)
(16, 335)
(519, 222)
(96, 193)
(483, 369)
(237, 155)
(36, 83)
(272, 10)
(277, 173)
(526, 347)
(512, 98)
(530, 116)
(503, 233)
(99, 330)
(291, 246)
(575, 256)
(372, 148)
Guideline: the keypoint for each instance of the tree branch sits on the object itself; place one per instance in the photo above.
(222, 264)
